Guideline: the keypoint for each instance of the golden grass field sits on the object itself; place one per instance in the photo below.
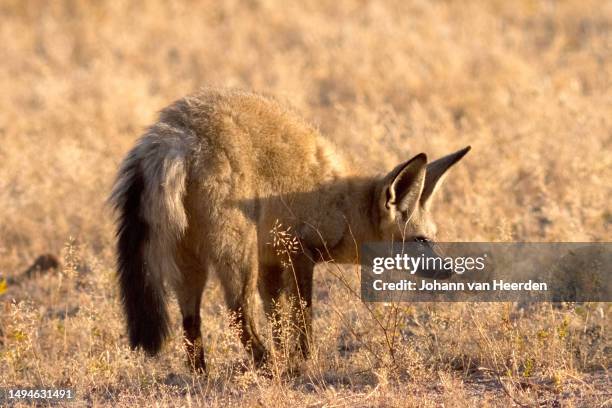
(527, 83)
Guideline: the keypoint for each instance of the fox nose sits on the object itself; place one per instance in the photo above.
(430, 249)
(443, 274)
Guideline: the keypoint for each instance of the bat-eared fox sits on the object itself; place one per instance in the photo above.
(205, 186)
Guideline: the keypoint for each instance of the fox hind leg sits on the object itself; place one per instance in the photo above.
(189, 293)
(239, 282)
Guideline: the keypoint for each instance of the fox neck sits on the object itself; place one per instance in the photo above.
(361, 218)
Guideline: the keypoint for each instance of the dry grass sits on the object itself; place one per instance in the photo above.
(527, 83)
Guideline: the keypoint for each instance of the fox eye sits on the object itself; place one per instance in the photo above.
(423, 239)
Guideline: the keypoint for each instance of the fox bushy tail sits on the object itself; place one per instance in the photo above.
(148, 198)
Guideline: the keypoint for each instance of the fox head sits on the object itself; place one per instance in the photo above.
(403, 198)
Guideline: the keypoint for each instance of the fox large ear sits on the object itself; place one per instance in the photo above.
(436, 171)
(403, 186)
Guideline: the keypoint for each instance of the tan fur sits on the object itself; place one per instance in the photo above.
(222, 167)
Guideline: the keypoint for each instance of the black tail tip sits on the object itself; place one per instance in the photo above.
(150, 345)
(148, 333)
(147, 321)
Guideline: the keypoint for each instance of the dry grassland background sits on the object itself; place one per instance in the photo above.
(527, 83)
